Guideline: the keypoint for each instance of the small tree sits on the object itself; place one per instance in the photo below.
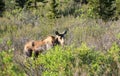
(53, 12)
(104, 9)
(21, 3)
(107, 9)
(118, 8)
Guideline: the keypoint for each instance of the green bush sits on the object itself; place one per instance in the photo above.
(56, 62)
(7, 65)
(69, 61)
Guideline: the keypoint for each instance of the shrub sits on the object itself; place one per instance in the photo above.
(7, 65)
(78, 61)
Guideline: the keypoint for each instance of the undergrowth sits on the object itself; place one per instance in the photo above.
(67, 61)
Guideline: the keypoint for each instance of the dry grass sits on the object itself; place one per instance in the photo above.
(95, 33)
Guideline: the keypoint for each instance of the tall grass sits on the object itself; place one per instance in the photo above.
(96, 58)
(96, 35)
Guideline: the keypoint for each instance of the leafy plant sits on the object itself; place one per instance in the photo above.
(7, 65)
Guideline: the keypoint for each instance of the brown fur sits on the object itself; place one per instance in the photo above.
(39, 46)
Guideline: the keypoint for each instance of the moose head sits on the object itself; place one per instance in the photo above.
(60, 37)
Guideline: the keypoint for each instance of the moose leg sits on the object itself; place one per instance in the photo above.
(36, 53)
(29, 53)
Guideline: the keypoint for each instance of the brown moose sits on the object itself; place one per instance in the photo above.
(39, 46)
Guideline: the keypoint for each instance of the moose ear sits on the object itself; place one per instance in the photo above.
(56, 32)
(65, 32)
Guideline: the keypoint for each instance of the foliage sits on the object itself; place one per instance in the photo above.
(92, 45)
(56, 62)
(69, 61)
(9, 5)
(105, 9)
(2, 7)
(64, 61)
(21, 3)
(53, 12)
(8, 66)
(118, 7)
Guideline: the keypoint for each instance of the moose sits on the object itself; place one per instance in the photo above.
(39, 46)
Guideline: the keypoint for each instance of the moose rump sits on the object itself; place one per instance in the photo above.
(39, 46)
